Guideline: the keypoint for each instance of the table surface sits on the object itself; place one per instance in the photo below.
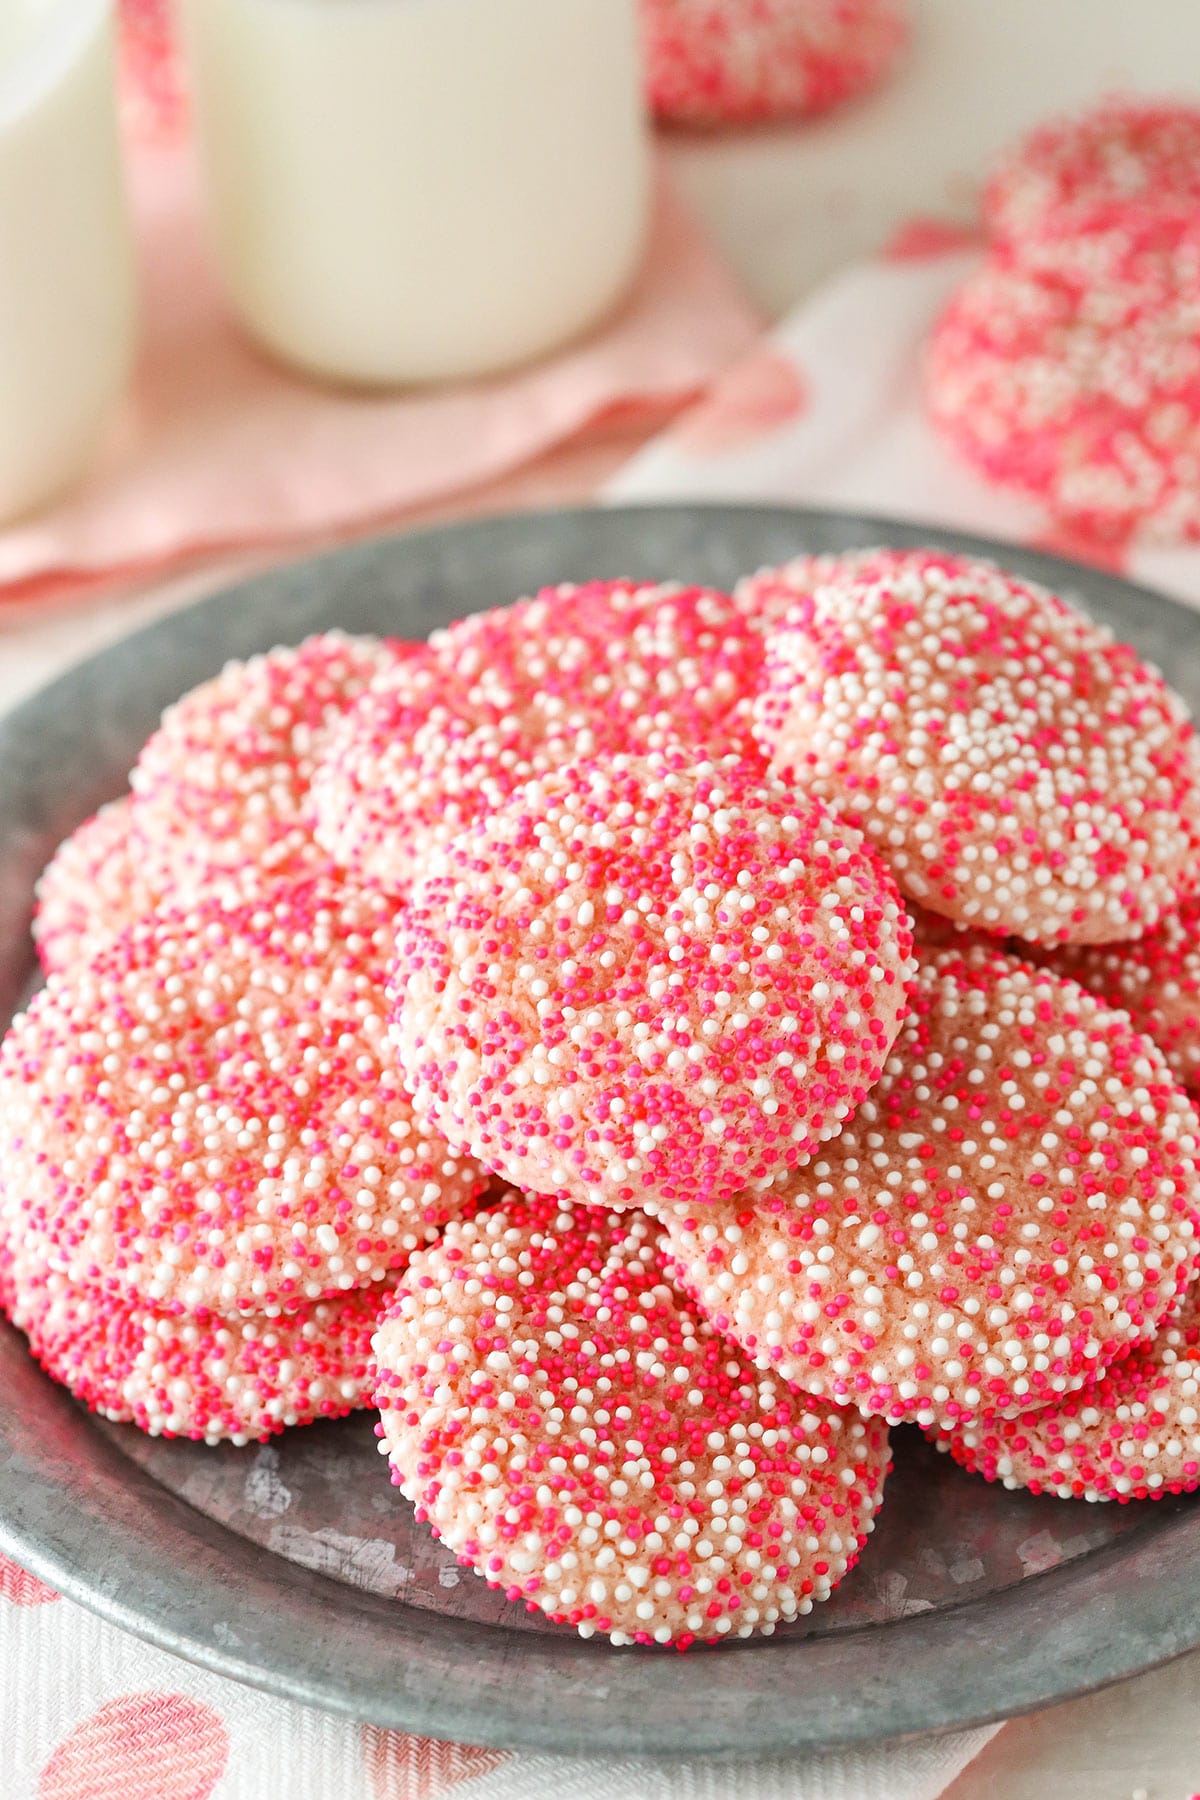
(789, 207)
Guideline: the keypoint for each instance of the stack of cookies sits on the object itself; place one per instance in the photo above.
(1067, 367)
(648, 1042)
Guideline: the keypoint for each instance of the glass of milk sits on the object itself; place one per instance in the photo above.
(418, 190)
(66, 259)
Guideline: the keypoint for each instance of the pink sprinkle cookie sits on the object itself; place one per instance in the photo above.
(736, 62)
(769, 595)
(1073, 376)
(205, 1116)
(88, 891)
(517, 692)
(1019, 769)
(1125, 157)
(1010, 1207)
(648, 980)
(932, 931)
(223, 783)
(208, 1378)
(1132, 1435)
(153, 84)
(1156, 979)
(577, 1434)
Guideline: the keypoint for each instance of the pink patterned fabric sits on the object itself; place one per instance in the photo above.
(20, 1588)
(402, 1767)
(91, 1714)
(141, 1747)
(757, 396)
(219, 449)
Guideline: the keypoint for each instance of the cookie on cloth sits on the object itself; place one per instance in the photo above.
(1072, 375)
(1156, 979)
(1013, 1204)
(89, 890)
(648, 979)
(222, 785)
(739, 62)
(1132, 1435)
(573, 1429)
(206, 1115)
(206, 1377)
(1126, 158)
(1019, 769)
(517, 691)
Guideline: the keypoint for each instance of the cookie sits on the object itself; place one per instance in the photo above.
(206, 1115)
(89, 891)
(222, 785)
(1156, 979)
(1124, 158)
(740, 62)
(153, 85)
(1013, 1205)
(574, 1431)
(1020, 770)
(770, 594)
(1132, 1435)
(1072, 376)
(209, 1378)
(648, 980)
(516, 692)
(933, 931)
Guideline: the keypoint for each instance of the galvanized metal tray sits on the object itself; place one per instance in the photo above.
(294, 1565)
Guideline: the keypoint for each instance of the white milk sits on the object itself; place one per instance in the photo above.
(408, 190)
(66, 271)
